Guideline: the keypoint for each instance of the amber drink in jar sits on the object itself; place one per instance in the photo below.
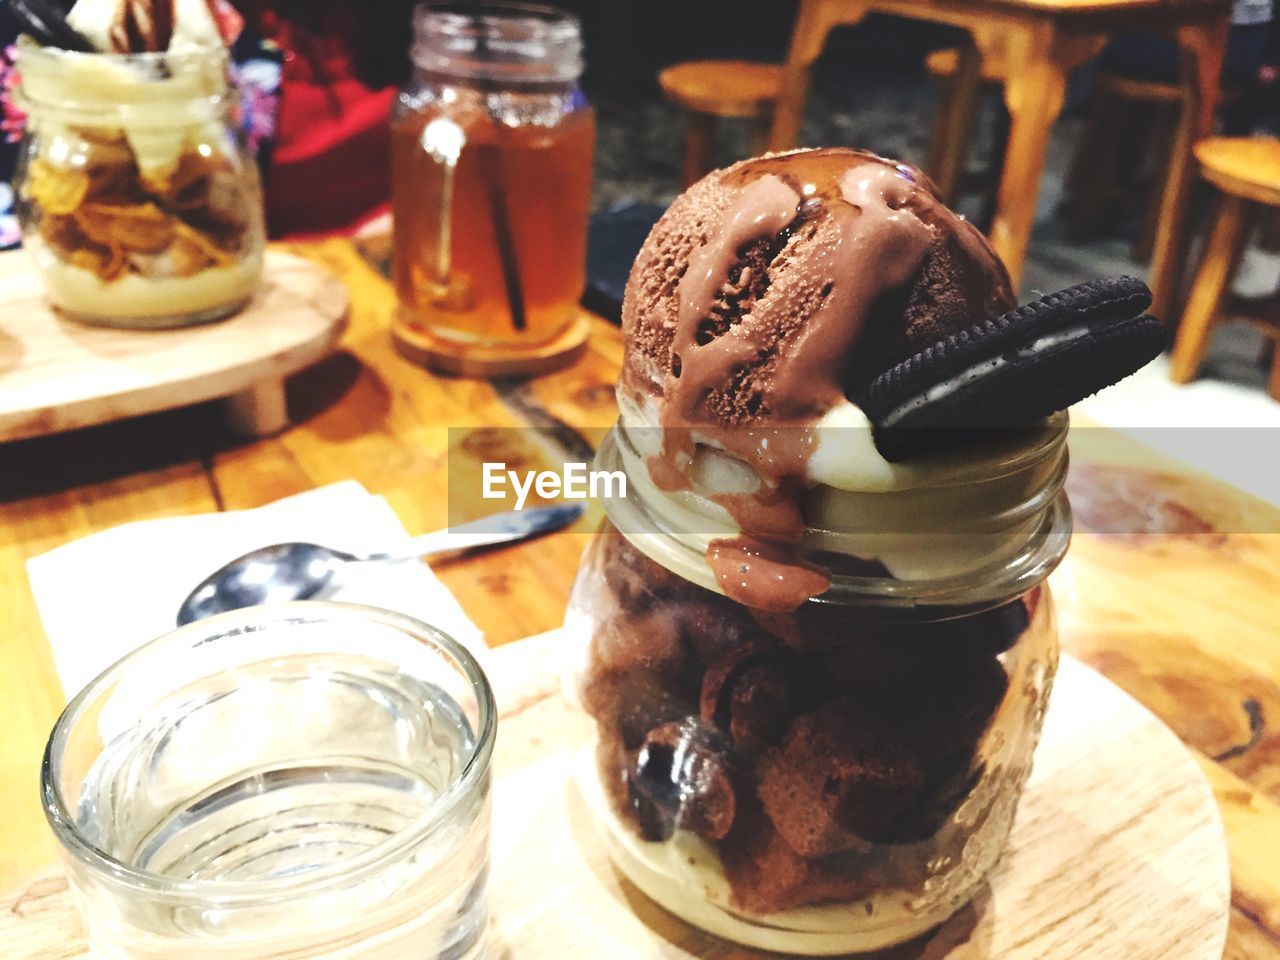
(492, 147)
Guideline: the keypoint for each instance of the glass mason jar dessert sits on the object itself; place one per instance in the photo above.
(817, 644)
(492, 144)
(136, 195)
(843, 776)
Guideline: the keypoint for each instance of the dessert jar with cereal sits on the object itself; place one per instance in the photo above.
(137, 197)
(834, 776)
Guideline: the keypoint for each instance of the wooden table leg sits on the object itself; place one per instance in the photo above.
(1166, 131)
(954, 123)
(1221, 257)
(1033, 93)
(259, 411)
(1203, 47)
(814, 22)
(699, 139)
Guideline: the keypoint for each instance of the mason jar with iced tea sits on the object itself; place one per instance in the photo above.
(492, 145)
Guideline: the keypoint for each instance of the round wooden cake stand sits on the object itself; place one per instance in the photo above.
(1117, 853)
(57, 374)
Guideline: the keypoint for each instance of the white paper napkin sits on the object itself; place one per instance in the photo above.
(103, 596)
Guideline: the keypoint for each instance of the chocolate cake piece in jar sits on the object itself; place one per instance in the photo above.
(810, 760)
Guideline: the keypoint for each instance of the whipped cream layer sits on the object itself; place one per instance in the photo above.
(138, 301)
(930, 519)
(163, 103)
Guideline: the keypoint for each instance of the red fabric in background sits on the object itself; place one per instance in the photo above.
(329, 172)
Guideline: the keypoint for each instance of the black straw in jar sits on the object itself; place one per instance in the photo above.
(490, 160)
(48, 25)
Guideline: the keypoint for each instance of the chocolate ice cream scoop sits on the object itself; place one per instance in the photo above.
(768, 286)
(761, 298)
(785, 304)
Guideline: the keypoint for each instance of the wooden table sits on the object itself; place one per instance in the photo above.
(1041, 42)
(1186, 623)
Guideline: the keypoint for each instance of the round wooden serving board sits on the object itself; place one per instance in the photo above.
(1117, 852)
(57, 374)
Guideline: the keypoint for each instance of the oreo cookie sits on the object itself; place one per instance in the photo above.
(1014, 370)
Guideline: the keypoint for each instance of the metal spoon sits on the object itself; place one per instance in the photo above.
(297, 571)
(442, 139)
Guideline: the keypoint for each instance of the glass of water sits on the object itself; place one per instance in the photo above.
(299, 781)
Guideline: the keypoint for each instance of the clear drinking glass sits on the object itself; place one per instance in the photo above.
(306, 780)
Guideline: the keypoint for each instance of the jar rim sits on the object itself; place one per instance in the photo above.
(231, 893)
(508, 42)
(1007, 576)
(125, 88)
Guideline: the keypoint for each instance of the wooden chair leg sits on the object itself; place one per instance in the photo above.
(1273, 383)
(954, 123)
(697, 146)
(1034, 94)
(1164, 136)
(1203, 47)
(1221, 257)
(814, 22)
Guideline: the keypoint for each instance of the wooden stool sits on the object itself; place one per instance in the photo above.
(1247, 171)
(1118, 103)
(964, 75)
(714, 89)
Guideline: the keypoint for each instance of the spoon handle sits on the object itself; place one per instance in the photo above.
(446, 541)
(487, 531)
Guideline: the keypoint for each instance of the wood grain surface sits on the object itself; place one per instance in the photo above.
(1186, 621)
(57, 374)
(1117, 852)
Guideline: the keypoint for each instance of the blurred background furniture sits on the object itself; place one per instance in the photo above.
(1043, 40)
(711, 90)
(1129, 134)
(1246, 170)
(957, 115)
